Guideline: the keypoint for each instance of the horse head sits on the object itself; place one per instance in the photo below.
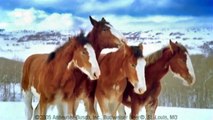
(84, 58)
(104, 35)
(135, 68)
(181, 65)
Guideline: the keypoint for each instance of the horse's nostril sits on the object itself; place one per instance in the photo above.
(141, 90)
(95, 75)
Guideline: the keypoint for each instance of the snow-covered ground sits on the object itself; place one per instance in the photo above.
(15, 111)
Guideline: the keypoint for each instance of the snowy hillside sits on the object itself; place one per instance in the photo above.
(20, 44)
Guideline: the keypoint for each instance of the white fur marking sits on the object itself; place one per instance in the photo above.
(70, 64)
(107, 115)
(140, 68)
(65, 109)
(93, 61)
(109, 50)
(33, 90)
(116, 33)
(116, 87)
(28, 104)
(87, 72)
(190, 68)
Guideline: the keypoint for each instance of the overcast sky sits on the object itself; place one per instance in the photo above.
(124, 14)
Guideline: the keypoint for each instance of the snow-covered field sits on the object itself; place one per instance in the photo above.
(15, 111)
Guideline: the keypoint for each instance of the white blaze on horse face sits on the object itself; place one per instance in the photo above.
(115, 32)
(140, 88)
(95, 70)
(84, 70)
(190, 68)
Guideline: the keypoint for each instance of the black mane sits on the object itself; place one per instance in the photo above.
(80, 38)
(137, 51)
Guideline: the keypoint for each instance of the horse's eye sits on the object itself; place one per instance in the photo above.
(133, 65)
(105, 28)
(84, 52)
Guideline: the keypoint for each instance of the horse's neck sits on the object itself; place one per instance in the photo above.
(64, 56)
(94, 42)
(113, 62)
(155, 71)
(124, 58)
(120, 61)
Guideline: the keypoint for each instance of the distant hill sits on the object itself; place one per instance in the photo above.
(173, 92)
(22, 43)
(10, 71)
(10, 76)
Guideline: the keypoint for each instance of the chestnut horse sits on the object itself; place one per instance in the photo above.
(103, 35)
(173, 57)
(48, 76)
(127, 62)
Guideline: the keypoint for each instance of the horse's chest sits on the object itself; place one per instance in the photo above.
(116, 87)
(116, 90)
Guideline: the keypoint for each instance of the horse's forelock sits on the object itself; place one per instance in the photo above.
(104, 23)
(82, 39)
(137, 52)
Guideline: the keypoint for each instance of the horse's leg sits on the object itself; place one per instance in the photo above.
(150, 109)
(43, 105)
(121, 110)
(114, 107)
(76, 104)
(28, 104)
(153, 102)
(71, 107)
(104, 106)
(96, 106)
(36, 112)
(89, 105)
(60, 108)
(135, 108)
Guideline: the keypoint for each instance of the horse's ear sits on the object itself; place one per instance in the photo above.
(141, 46)
(93, 21)
(103, 19)
(172, 46)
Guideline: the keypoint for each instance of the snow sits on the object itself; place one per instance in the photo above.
(15, 111)
(153, 40)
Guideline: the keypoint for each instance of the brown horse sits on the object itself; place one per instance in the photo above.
(103, 35)
(126, 62)
(48, 76)
(173, 57)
